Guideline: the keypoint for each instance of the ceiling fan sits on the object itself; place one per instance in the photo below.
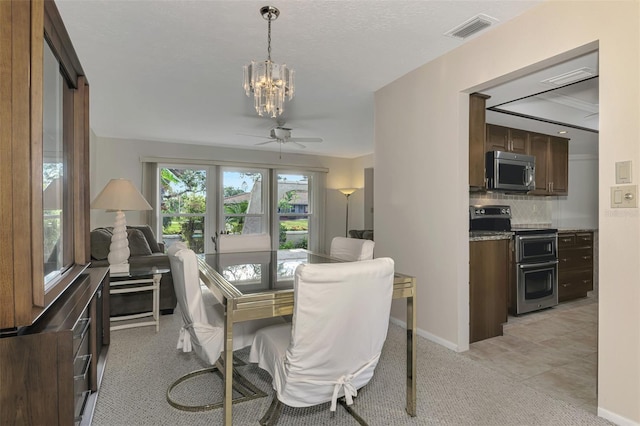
(282, 135)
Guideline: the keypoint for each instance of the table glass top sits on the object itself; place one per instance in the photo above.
(256, 272)
(140, 271)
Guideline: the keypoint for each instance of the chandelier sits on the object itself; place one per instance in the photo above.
(269, 82)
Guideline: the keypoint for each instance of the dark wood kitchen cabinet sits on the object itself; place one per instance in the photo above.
(477, 134)
(488, 286)
(558, 168)
(575, 265)
(552, 164)
(500, 138)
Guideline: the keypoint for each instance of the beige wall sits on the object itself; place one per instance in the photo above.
(115, 158)
(421, 155)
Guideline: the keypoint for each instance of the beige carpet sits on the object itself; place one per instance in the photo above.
(452, 389)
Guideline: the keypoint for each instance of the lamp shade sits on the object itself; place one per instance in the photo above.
(348, 191)
(120, 194)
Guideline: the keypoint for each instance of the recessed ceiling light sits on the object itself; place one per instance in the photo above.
(563, 132)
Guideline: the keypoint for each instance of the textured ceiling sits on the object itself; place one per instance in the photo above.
(172, 70)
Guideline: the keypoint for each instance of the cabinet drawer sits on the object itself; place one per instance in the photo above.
(566, 240)
(81, 330)
(584, 239)
(81, 377)
(575, 259)
(574, 284)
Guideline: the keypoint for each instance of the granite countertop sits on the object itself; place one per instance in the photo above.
(577, 230)
(489, 235)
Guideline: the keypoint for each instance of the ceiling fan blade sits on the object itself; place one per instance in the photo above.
(269, 141)
(296, 143)
(253, 136)
(304, 140)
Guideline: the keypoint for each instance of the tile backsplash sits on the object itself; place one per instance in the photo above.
(525, 209)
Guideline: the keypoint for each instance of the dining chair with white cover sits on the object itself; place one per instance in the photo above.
(232, 243)
(351, 249)
(203, 330)
(332, 347)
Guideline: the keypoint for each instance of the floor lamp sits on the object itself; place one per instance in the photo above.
(347, 192)
(119, 195)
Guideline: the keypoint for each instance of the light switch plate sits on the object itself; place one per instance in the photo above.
(624, 196)
(623, 172)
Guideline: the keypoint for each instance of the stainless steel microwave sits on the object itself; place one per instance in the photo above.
(506, 171)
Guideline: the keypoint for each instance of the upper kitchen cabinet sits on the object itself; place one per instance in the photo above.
(44, 161)
(477, 119)
(558, 170)
(501, 138)
(552, 164)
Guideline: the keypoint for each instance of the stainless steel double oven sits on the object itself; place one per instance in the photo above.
(534, 258)
(536, 269)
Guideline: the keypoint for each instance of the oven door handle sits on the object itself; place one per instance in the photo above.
(537, 265)
(535, 237)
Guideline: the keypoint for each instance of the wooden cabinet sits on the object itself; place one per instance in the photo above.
(500, 138)
(51, 370)
(33, 33)
(558, 165)
(477, 133)
(488, 286)
(552, 164)
(575, 265)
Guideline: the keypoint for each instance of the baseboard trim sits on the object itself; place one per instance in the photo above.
(616, 418)
(432, 337)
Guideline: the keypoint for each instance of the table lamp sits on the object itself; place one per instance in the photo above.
(118, 196)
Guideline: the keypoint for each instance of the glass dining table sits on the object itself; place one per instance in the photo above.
(257, 285)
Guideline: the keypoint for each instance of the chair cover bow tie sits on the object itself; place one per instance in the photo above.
(350, 391)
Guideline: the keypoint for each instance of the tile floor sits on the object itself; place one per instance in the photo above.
(554, 351)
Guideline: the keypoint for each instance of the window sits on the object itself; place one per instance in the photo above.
(183, 206)
(196, 201)
(293, 210)
(243, 210)
(56, 181)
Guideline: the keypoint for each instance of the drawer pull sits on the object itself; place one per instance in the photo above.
(565, 285)
(565, 240)
(84, 397)
(83, 375)
(84, 327)
(586, 281)
(586, 257)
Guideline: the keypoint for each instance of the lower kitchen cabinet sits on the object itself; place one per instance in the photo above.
(488, 286)
(575, 265)
(50, 371)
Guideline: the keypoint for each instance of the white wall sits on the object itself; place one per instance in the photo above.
(579, 209)
(421, 174)
(356, 201)
(119, 158)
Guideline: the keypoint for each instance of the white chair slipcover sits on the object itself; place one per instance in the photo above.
(228, 243)
(351, 249)
(203, 330)
(340, 323)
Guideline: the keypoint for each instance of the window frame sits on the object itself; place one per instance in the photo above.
(208, 199)
(265, 185)
(214, 219)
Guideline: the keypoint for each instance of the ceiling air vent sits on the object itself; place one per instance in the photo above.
(570, 77)
(471, 26)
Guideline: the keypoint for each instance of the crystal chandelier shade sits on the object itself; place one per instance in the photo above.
(270, 83)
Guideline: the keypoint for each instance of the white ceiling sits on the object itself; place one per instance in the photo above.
(574, 105)
(172, 70)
